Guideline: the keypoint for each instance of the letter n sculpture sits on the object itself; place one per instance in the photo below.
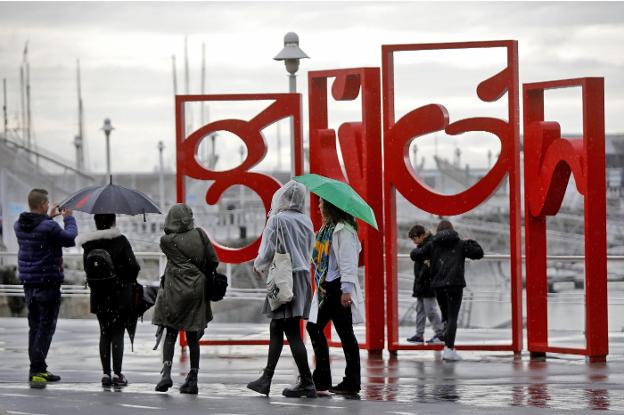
(549, 160)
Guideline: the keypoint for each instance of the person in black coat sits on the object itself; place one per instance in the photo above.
(448, 253)
(111, 299)
(426, 306)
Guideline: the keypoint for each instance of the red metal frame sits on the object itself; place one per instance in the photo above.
(549, 160)
(250, 132)
(398, 134)
(360, 145)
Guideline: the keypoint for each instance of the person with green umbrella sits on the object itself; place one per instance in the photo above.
(338, 297)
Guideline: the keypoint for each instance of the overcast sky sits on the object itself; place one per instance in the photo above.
(125, 52)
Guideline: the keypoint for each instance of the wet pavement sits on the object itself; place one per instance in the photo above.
(414, 382)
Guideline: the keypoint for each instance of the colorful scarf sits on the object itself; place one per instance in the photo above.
(320, 255)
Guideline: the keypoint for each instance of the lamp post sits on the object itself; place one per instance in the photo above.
(291, 54)
(107, 128)
(161, 175)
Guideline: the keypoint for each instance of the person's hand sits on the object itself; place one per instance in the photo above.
(54, 211)
(257, 272)
(345, 300)
(322, 290)
(66, 212)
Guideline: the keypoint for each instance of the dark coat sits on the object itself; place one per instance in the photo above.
(422, 276)
(112, 297)
(41, 239)
(447, 254)
(181, 303)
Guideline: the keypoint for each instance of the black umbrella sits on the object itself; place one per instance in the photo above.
(110, 198)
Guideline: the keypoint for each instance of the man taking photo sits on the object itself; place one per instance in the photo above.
(40, 266)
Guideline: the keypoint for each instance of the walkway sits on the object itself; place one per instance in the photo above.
(414, 383)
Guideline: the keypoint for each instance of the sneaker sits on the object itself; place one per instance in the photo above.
(106, 380)
(450, 355)
(37, 381)
(416, 339)
(119, 380)
(344, 389)
(49, 376)
(435, 340)
(323, 393)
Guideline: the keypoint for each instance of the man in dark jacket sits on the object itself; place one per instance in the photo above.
(448, 254)
(40, 266)
(426, 306)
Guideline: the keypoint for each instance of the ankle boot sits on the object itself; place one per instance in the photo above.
(190, 384)
(262, 385)
(304, 387)
(165, 381)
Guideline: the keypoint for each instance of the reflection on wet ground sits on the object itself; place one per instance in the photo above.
(482, 380)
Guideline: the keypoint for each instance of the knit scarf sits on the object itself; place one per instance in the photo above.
(320, 255)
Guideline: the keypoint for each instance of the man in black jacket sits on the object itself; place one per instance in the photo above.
(426, 306)
(447, 253)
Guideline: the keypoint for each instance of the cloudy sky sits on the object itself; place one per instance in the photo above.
(125, 53)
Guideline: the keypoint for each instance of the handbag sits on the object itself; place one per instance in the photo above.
(216, 283)
(279, 281)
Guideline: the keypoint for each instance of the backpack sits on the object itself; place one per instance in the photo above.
(99, 267)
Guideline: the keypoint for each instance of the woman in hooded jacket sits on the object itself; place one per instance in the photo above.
(289, 230)
(338, 297)
(181, 304)
(111, 299)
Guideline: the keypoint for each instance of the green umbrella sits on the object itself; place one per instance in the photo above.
(340, 195)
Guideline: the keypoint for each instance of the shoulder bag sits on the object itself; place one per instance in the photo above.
(279, 281)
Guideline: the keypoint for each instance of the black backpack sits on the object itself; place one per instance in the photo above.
(99, 267)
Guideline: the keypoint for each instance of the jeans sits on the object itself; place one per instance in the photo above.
(453, 299)
(426, 308)
(343, 323)
(43, 304)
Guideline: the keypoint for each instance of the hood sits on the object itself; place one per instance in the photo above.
(446, 237)
(29, 221)
(111, 233)
(179, 219)
(291, 196)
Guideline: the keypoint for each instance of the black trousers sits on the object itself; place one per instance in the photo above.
(112, 330)
(43, 303)
(452, 299)
(332, 310)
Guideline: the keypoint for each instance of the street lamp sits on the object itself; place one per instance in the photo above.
(161, 175)
(291, 54)
(107, 128)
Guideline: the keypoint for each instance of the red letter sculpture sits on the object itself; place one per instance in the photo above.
(360, 145)
(399, 175)
(249, 131)
(549, 160)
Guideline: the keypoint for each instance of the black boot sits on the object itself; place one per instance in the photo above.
(262, 385)
(190, 384)
(304, 387)
(165, 382)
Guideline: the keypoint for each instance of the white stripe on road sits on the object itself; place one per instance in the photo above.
(22, 413)
(127, 405)
(307, 405)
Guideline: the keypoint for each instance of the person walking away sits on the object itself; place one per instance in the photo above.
(111, 269)
(289, 230)
(448, 253)
(338, 297)
(426, 304)
(40, 266)
(181, 303)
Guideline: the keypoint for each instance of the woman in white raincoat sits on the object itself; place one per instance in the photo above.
(289, 230)
(338, 297)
